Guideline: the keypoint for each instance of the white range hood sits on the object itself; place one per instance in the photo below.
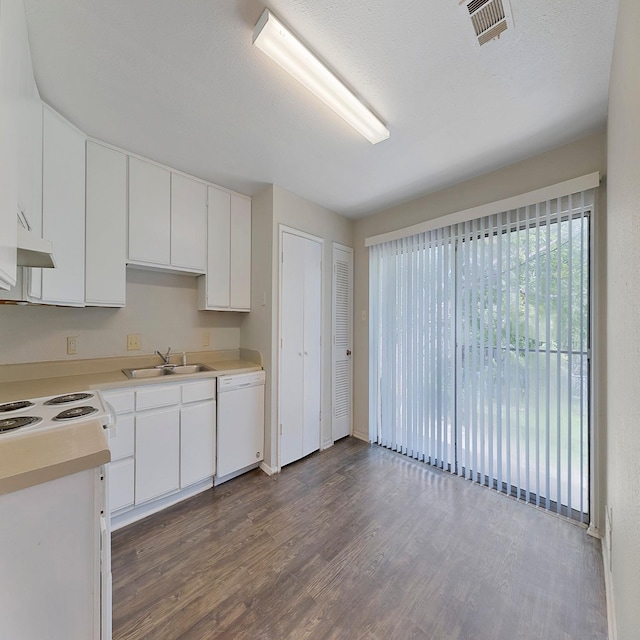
(34, 251)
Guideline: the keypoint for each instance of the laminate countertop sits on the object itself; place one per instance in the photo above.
(37, 380)
(29, 460)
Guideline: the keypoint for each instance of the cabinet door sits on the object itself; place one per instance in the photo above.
(157, 453)
(240, 269)
(63, 168)
(121, 437)
(188, 223)
(121, 484)
(197, 442)
(219, 247)
(149, 213)
(106, 232)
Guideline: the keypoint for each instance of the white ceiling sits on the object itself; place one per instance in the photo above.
(179, 82)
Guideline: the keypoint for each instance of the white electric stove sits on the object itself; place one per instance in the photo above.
(37, 414)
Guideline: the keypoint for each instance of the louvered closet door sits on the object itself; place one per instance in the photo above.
(342, 331)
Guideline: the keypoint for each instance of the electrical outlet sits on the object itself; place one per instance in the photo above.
(72, 345)
(133, 342)
(205, 338)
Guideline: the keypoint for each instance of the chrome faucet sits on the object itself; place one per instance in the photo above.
(165, 358)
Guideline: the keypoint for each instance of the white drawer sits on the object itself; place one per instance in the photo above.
(201, 390)
(121, 483)
(161, 396)
(121, 401)
(121, 437)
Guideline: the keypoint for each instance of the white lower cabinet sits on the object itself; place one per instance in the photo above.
(163, 446)
(121, 483)
(157, 453)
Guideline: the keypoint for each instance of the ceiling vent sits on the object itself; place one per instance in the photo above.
(489, 18)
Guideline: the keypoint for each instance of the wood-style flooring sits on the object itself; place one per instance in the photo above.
(356, 542)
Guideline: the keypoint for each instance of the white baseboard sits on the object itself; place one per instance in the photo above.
(608, 585)
(361, 436)
(326, 444)
(270, 471)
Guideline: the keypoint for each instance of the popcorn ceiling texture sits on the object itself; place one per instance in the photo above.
(181, 83)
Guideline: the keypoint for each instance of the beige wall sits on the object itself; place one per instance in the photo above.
(162, 308)
(292, 211)
(566, 162)
(623, 305)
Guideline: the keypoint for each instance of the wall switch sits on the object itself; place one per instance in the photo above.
(133, 342)
(72, 345)
(205, 338)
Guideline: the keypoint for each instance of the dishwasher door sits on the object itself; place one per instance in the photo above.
(240, 422)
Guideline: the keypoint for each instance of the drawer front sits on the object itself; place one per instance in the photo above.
(162, 396)
(201, 390)
(121, 438)
(121, 401)
(121, 483)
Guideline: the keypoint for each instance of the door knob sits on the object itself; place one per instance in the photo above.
(348, 352)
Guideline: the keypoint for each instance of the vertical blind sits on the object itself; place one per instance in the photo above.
(479, 345)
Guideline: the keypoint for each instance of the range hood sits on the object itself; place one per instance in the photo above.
(34, 251)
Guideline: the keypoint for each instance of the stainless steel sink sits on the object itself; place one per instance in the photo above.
(157, 372)
(191, 368)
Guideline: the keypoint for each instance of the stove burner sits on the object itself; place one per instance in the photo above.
(70, 397)
(9, 424)
(16, 406)
(76, 412)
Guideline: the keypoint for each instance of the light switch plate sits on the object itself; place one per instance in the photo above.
(205, 338)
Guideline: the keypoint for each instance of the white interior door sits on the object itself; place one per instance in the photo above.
(299, 388)
(342, 332)
(291, 346)
(312, 338)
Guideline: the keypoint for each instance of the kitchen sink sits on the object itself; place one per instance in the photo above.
(157, 372)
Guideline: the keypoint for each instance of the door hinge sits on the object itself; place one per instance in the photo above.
(281, 428)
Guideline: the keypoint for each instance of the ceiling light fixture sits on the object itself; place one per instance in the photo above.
(284, 48)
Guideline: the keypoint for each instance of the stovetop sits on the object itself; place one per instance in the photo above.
(37, 414)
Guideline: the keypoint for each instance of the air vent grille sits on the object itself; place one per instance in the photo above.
(489, 19)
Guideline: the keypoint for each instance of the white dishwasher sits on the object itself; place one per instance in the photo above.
(240, 422)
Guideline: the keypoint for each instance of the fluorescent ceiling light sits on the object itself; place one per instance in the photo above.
(274, 39)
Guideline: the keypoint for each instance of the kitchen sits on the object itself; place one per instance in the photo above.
(39, 334)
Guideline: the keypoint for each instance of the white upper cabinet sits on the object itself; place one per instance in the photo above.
(106, 227)
(227, 285)
(149, 213)
(63, 209)
(167, 219)
(240, 272)
(188, 223)
(21, 135)
(219, 250)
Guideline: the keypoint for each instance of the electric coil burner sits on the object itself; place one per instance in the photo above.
(9, 424)
(23, 417)
(68, 398)
(76, 412)
(16, 406)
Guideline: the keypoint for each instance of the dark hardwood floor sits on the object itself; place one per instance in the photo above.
(356, 542)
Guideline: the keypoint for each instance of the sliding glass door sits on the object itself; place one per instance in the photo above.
(479, 345)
